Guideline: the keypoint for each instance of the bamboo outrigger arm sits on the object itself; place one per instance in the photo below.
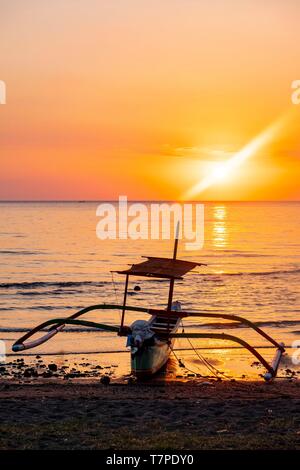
(59, 323)
(236, 318)
(271, 368)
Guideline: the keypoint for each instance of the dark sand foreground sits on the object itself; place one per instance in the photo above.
(195, 415)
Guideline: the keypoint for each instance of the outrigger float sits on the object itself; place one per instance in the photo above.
(151, 342)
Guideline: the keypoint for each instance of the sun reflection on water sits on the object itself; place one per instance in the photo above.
(220, 233)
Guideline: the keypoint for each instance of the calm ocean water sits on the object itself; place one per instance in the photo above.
(52, 264)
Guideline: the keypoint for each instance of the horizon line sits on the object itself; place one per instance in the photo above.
(82, 201)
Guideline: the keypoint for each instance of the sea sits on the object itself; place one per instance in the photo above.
(52, 264)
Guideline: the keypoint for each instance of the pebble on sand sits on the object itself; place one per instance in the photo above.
(105, 380)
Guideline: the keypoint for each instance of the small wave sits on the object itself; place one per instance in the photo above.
(236, 254)
(66, 284)
(69, 353)
(20, 252)
(270, 273)
(255, 273)
(213, 325)
(14, 330)
(55, 307)
(248, 255)
(51, 292)
(43, 307)
(65, 330)
(40, 284)
(60, 354)
(260, 324)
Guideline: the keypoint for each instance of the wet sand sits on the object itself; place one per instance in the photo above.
(198, 414)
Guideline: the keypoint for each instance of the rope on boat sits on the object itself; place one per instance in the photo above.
(216, 372)
(182, 364)
(212, 369)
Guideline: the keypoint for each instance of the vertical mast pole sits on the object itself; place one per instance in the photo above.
(171, 288)
(124, 302)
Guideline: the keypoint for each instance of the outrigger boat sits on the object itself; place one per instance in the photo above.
(151, 342)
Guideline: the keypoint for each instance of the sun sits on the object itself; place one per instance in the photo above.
(221, 172)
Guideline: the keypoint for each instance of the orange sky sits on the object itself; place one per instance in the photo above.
(144, 98)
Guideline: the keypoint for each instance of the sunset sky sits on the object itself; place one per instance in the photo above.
(148, 98)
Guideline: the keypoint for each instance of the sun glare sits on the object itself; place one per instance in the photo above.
(224, 170)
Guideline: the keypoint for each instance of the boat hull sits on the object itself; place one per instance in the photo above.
(152, 357)
(150, 360)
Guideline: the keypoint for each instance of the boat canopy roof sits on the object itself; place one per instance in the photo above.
(168, 268)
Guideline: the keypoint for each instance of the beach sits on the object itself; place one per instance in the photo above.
(77, 392)
(156, 415)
